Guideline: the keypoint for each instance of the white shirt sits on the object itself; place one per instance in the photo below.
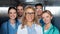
(38, 29)
(45, 30)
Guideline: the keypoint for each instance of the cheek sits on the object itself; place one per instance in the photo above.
(31, 17)
(14, 15)
(47, 20)
(39, 12)
(26, 16)
(9, 15)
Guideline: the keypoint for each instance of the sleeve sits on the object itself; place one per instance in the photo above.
(3, 28)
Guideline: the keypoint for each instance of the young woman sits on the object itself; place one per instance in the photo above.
(29, 24)
(10, 26)
(49, 28)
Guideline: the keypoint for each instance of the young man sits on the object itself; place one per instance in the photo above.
(39, 10)
(19, 8)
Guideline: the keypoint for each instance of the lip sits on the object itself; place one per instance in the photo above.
(30, 18)
(13, 16)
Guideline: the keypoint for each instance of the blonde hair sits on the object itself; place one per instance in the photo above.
(47, 11)
(24, 22)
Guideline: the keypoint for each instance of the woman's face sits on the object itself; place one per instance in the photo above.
(30, 15)
(12, 14)
(46, 17)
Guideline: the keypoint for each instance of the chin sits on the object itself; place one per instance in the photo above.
(29, 20)
(12, 18)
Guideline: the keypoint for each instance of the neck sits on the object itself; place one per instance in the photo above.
(19, 17)
(39, 17)
(29, 24)
(47, 26)
(12, 21)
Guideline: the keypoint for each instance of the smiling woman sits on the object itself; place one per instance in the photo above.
(10, 26)
(48, 27)
(30, 23)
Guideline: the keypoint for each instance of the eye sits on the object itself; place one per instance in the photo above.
(47, 16)
(30, 13)
(10, 12)
(21, 9)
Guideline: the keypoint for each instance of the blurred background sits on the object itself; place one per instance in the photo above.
(52, 5)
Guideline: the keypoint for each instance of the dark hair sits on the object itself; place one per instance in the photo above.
(14, 9)
(39, 4)
(19, 4)
(11, 8)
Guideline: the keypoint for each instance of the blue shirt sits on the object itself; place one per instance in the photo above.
(8, 29)
(0, 30)
(19, 21)
(42, 22)
(31, 30)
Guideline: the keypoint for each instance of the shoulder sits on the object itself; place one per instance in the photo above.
(21, 31)
(38, 29)
(55, 28)
(20, 26)
(5, 23)
(56, 31)
(37, 25)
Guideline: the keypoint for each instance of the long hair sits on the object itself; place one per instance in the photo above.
(24, 21)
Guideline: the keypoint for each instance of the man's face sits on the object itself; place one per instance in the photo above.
(39, 10)
(20, 11)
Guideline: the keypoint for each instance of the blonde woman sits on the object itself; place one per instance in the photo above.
(48, 27)
(30, 24)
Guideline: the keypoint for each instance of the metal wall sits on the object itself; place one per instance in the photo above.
(52, 5)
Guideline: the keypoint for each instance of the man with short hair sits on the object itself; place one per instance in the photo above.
(19, 8)
(39, 10)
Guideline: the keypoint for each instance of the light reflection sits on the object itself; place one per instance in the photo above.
(3, 11)
(55, 10)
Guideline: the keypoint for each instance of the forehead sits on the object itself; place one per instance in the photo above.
(12, 10)
(29, 10)
(45, 14)
(20, 7)
(39, 7)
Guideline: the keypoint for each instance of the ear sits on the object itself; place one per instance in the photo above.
(51, 17)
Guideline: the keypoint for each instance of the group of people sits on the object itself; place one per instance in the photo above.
(29, 20)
